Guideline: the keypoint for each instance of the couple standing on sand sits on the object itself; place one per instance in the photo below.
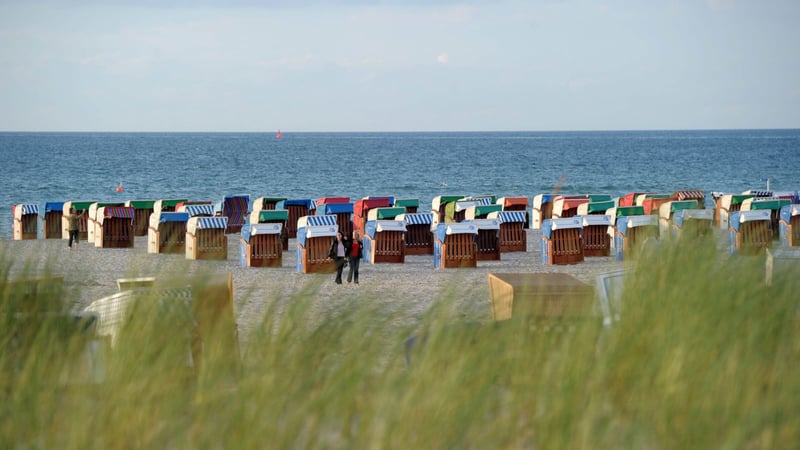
(344, 250)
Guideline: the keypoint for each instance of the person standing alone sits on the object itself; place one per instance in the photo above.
(338, 252)
(72, 221)
(354, 255)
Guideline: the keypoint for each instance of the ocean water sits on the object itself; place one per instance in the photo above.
(41, 167)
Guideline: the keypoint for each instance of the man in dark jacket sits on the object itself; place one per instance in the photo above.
(340, 248)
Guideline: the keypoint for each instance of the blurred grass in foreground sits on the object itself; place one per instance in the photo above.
(705, 356)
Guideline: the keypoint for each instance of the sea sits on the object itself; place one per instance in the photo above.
(81, 166)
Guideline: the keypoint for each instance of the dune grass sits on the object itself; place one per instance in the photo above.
(704, 356)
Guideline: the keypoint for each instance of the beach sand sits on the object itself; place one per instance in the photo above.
(406, 290)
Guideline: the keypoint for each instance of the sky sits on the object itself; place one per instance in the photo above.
(392, 65)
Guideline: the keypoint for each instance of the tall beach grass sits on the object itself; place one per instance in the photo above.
(705, 356)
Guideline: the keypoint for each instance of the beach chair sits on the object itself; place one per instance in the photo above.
(261, 245)
(388, 213)
(789, 225)
(361, 210)
(418, 235)
(297, 208)
(168, 205)
(202, 310)
(454, 245)
(205, 238)
(143, 209)
(343, 213)
(513, 237)
(542, 297)
(384, 241)
(750, 232)
(167, 232)
(439, 208)
(330, 200)
(280, 216)
(727, 204)
(542, 209)
(561, 241)
(92, 224)
(235, 208)
(594, 235)
(266, 203)
(773, 205)
(114, 227)
(487, 239)
(411, 205)
(26, 221)
(83, 221)
(631, 231)
(515, 204)
(51, 220)
(314, 236)
(667, 210)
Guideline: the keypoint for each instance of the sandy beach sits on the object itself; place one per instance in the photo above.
(406, 290)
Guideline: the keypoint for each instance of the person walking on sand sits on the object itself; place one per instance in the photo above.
(338, 252)
(354, 255)
(72, 221)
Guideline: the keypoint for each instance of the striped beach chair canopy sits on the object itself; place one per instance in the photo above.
(206, 223)
(689, 195)
(485, 224)
(235, 208)
(684, 215)
(739, 217)
(336, 208)
(789, 211)
(118, 212)
(758, 193)
(445, 229)
(550, 225)
(508, 216)
(416, 218)
(199, 210)
(372, 227)
(269, 215)
(315, 226)
(324, 220)
(25, 209)
(255, 229)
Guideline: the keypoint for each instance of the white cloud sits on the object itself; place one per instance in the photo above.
(442, 58)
